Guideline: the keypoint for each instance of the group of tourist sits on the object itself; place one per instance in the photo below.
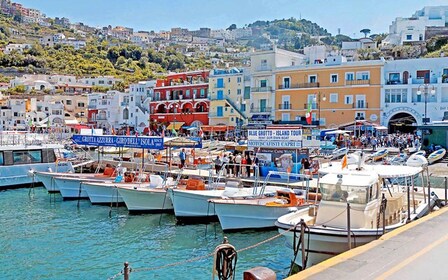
(237, 164)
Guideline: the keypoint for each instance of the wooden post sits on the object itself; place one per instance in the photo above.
(384, 214)
(446, 190)
(429, 189)
(126, 271)
(349, 233)
(409, 199)
(302, 237)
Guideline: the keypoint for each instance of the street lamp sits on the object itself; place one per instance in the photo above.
(317, 99)
(425, 91)
(174, 107)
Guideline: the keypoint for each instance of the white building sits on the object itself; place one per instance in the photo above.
(412, 29)
(103, 81)
(262, 69)
(16, 47)
(411, 87)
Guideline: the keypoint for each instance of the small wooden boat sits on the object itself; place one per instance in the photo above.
(380, 154)
(437, 155)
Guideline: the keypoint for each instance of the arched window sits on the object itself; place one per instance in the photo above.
(125, 114)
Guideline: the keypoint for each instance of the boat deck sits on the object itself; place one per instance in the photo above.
(414, 251)
(292, 183)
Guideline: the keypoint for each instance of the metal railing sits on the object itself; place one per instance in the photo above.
(261, 109)
(261, 89)
(285, 106)
(360, 106)
(357, 82)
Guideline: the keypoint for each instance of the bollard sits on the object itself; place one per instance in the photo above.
(259, 273)
(126, 271)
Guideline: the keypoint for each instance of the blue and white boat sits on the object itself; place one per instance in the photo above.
(420, 153)
(339, 153)
(380, 154)
(18, 163)
(437, 155)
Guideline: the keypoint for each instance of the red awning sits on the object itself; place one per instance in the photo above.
(216, 128)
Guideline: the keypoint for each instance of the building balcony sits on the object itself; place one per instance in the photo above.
(91, 107)
(300, 85)
(264, 68)
(261, 89)
(215, 85)
(360, 106)
(101, 118)
(216, 115)
(261, 109)
(284, 106)
(357, 82)
(124, 103)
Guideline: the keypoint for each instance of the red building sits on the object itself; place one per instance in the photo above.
(181, 99)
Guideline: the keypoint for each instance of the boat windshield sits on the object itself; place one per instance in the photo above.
(340, 193)
(1, 159)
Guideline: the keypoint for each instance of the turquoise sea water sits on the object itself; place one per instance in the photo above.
(54, 239)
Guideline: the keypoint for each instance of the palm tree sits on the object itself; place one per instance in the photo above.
(365, 31)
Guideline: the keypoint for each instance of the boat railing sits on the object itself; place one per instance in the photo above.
(300, 177)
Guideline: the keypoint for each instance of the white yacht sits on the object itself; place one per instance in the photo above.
(365, 201)
(18, 163)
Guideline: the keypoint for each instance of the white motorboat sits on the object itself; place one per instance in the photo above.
(259, 212)
(147, 197)
(437, 155)
(101, 192)
(18, 164)
(380, 154)
(191, 197)
(47, 178)
(374, 209)
(73, 187)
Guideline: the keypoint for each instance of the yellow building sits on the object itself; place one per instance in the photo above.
(337, 91)
(229, 93)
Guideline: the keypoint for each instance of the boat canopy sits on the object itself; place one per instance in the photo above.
(361, 179)
(383, 171)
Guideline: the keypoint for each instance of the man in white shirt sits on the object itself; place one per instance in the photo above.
(238, 159)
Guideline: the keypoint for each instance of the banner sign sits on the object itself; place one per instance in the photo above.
(141, 142)
(275, 144)
(275, 134)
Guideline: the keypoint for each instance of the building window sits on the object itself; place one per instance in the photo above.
(263, 83)
(348, 99)
(333, 98)
(238, 79)
(286, 82)
(349, 76)
(202, 94)
(334, 78)
(360, 115)
(68, 102)
(285, 117)
(264, 63)
(394, 78)
(362, 75)
(312, 79)
(409, 37)
(361, 101)
(396, 96)
(238, 91)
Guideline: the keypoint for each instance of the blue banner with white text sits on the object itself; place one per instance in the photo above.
(141, 142)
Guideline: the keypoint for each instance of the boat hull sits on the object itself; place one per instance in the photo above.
(194, 205)
(23, 175)
(73, 188)
(240, 215)
(144, 199)
(103, 193)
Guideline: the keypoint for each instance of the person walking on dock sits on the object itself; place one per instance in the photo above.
(183, 157)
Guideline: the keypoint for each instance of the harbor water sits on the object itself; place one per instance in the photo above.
(43, 237)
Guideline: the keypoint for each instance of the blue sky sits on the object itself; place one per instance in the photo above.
(349, 15)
